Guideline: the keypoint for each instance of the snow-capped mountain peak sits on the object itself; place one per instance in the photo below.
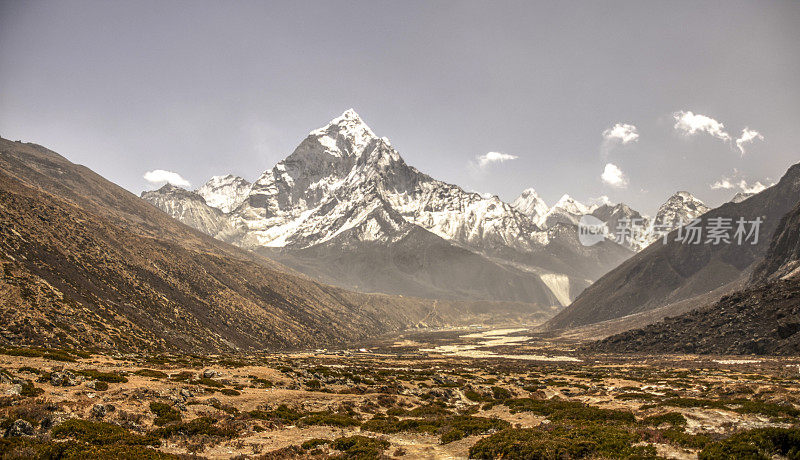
(225, 192)
(680, 207)
(531, 204)
(566, 211)
(345, 135)
(343, 175)
(571, 205)
(345, 189)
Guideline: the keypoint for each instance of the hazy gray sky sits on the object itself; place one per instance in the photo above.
(204, 88)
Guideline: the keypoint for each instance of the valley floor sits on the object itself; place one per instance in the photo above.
(434, 394)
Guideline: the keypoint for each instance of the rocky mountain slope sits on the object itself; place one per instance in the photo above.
(87, 264)
(346, 208)
(757, 320)
(666, 273)
(761, 319)
(191, 207)
(782, 260)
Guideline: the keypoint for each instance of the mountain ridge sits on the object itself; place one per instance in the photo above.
(343, 177)
(87, 264)
(666, 273)
(762, 318)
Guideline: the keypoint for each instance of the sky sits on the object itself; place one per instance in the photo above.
(627, 100)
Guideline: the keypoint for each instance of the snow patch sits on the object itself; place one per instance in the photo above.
(559, 286)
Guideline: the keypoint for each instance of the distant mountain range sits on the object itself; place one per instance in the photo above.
(87, 264)
(345, 208)
(676, 272)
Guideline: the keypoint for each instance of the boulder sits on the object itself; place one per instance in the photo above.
(63, 379)
(20, 428)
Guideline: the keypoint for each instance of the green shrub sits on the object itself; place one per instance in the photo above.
(360, 447)
(561, 442)
(41, 449)
(25, 352)
(182, 376)
(30, 390)
(755, 406)
(258, 382)
(57, 355)
(281, 414)
(448, 428)
(209, 382)
(229, 392)
(757, 444)
(473, 395)
(227, 408)
(313, 443)
(682, 439)
(108, 377)
(29, 369)
(501, 394)
(101, 433)
(742, 406)
(461, 426)
(452, 435)
(556, 409)
(674, 419)
(151, 373)
(284, 414)
(164, 413)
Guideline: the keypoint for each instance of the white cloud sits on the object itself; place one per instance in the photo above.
(613, 176)
(747, 137)
(622, 133)
(756, 187)
(494, 157)
(690, 123)
(722, 184)
(158, 176)
(735, 181)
